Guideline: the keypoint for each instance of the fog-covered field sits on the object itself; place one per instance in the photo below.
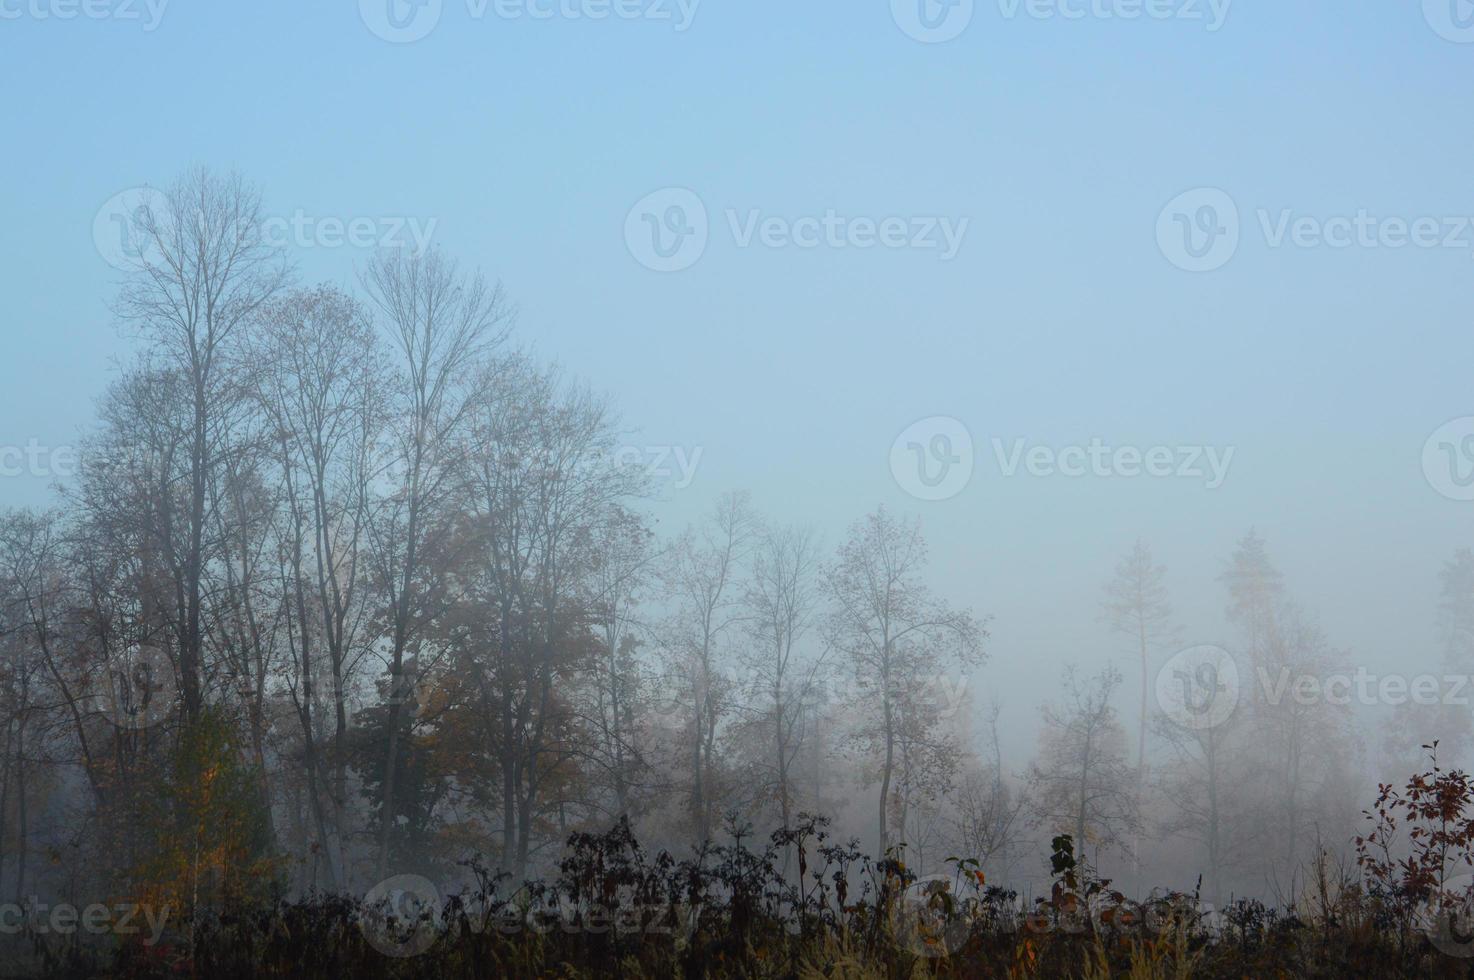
(883, 489)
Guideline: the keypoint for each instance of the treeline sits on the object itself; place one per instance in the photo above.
(349, 585)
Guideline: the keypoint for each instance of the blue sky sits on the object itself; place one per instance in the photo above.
(1060, 320)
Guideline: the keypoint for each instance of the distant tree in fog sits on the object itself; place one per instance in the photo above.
(618, 700)
(1082, 783)
(706, 591)
(1255, 588)
(1137, 606)
(989, 815)
(441, 324)
(1298, 749)
(897, 637)
(203, 273)
(321, 381)
(1414, 725)
(782, 605)
(1204, 790)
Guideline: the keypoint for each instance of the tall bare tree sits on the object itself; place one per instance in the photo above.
(1137, 606)
(1205, 787)
(1255, 588)
(321, 376)
(1300, 748)
(988, 819)
(895, 633)
(1082, 783)
(618, 698)
(783, 605)
(706, 563)
(204, 270)
(440, 323)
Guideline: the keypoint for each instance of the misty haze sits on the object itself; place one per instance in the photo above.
(657, 488)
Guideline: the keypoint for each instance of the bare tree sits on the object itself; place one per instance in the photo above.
(706, 593)
(245, 614)
(783, 600)
(894, 632)
(1300, 748)
(320, 376)
(1082, 783)
(1255, 587)
(440, 324)
(203, 272)
(32, 626)
(1204, 787)
(988, 819)
(1136, 606)
(1412, 725)
(618, 697)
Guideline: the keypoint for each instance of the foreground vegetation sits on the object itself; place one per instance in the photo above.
(805, 905)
